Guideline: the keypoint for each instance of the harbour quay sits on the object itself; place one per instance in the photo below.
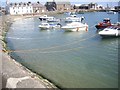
(33, 56)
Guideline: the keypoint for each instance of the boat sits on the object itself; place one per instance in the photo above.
(52, 19)
(73, 18)
(106, 22)
(110, 31)
(49, 19)
(75, 26)
(49, 25)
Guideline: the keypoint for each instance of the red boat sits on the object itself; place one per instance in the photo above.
(106, 22)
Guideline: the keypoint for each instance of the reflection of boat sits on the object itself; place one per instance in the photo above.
(49, 19)
(106, 22)
(110, 31)
(73, 18)
(49, 26)
(111, 12)
(80, 12)
(75, 26)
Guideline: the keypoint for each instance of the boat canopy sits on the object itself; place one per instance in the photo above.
(106, 20)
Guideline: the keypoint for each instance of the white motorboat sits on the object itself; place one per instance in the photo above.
(73, 18)
(49, 25)
(52, 19)
(110, 31)
(49, 19)
(75, 26)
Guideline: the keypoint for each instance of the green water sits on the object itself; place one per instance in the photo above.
(68, 59)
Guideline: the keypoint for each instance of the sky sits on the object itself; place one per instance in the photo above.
(100, 2)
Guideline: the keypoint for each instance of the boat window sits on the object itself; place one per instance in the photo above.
(110, 27)
(115, 27)
(106, 30)
(118, 28)
(105, 21)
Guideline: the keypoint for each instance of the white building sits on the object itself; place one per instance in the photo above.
(20, 8)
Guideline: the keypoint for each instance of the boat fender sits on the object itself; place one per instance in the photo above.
(116, 34)
(77, 29)
(86, 28)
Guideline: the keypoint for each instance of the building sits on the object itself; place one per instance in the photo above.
(38, 8)
(63, 6)
(84, 6)
(76, 6)
(58, 5)
(92, 6)
(2, 10)
(51, 6)
(117, 7)
(21, 8)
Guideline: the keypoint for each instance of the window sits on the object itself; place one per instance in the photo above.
(118, 28)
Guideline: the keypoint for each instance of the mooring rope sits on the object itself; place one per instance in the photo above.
(57, 46)
(52, 47)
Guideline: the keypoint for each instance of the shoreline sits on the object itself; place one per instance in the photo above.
(7, 20)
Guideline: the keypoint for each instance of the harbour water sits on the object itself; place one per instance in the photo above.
(68, 59)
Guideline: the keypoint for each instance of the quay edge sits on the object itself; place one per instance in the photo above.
(12, 71)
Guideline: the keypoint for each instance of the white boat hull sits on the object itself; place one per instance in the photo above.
(49, 27)
(75, 26)
(74, 29)
(109, 32)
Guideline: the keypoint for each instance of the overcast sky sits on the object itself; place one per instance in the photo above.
(102, 2)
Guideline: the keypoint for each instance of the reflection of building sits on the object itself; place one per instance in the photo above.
(21, 8)
(38, 8)
(50, 6)
(61, 6)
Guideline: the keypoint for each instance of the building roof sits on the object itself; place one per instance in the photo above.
(60, 1)
(64, 2)
(20, 4)
(37, 5)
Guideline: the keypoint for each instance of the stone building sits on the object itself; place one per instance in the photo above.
(51, 6)
(63, 6)
(84, 6)
(93, 6)
(58, 5)
(38, 8)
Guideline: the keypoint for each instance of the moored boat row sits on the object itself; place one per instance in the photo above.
(106, 28)
(75, 23)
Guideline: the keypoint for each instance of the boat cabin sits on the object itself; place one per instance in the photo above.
(106, 20)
